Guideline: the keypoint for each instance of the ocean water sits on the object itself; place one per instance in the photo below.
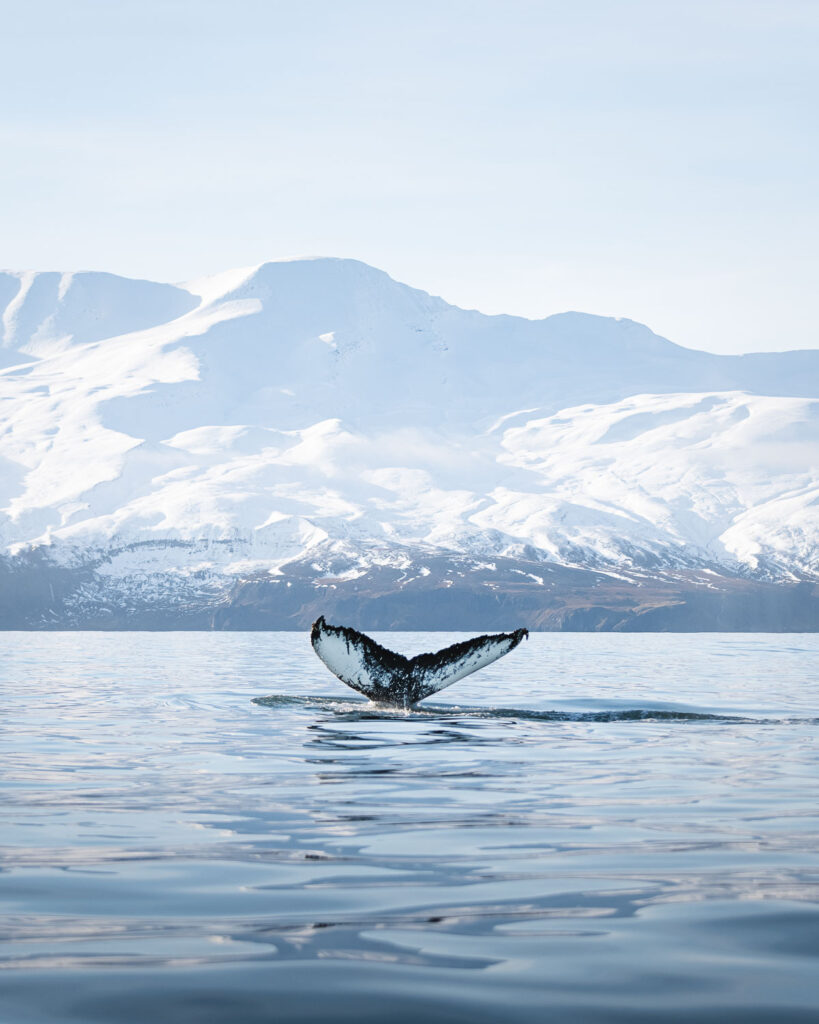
(208, 827)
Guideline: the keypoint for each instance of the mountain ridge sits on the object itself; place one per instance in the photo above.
(298, 412)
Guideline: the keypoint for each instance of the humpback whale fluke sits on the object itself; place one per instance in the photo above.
(390, 678)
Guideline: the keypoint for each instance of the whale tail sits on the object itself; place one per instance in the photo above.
(390, 678)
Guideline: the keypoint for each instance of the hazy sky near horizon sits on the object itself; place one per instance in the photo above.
(648, 159)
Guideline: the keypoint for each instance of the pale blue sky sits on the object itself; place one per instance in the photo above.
(656, 160)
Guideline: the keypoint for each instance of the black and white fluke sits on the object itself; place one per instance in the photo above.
(389, 678)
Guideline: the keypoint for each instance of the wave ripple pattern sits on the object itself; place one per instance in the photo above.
(608, 828)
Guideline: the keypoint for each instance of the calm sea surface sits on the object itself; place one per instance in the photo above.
(202, 827)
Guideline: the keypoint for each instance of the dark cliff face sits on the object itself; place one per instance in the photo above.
(454, 593)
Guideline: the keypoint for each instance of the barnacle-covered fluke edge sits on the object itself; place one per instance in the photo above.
(389, 678)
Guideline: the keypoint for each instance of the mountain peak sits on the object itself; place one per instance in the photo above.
(318, 412)
(45, 313)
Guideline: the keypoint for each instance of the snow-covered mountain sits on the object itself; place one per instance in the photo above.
(278, 438)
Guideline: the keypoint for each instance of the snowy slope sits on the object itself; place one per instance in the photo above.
(235, 424)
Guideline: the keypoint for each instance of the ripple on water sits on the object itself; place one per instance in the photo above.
(600, 828)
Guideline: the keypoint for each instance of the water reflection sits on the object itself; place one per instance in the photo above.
(638, 837)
